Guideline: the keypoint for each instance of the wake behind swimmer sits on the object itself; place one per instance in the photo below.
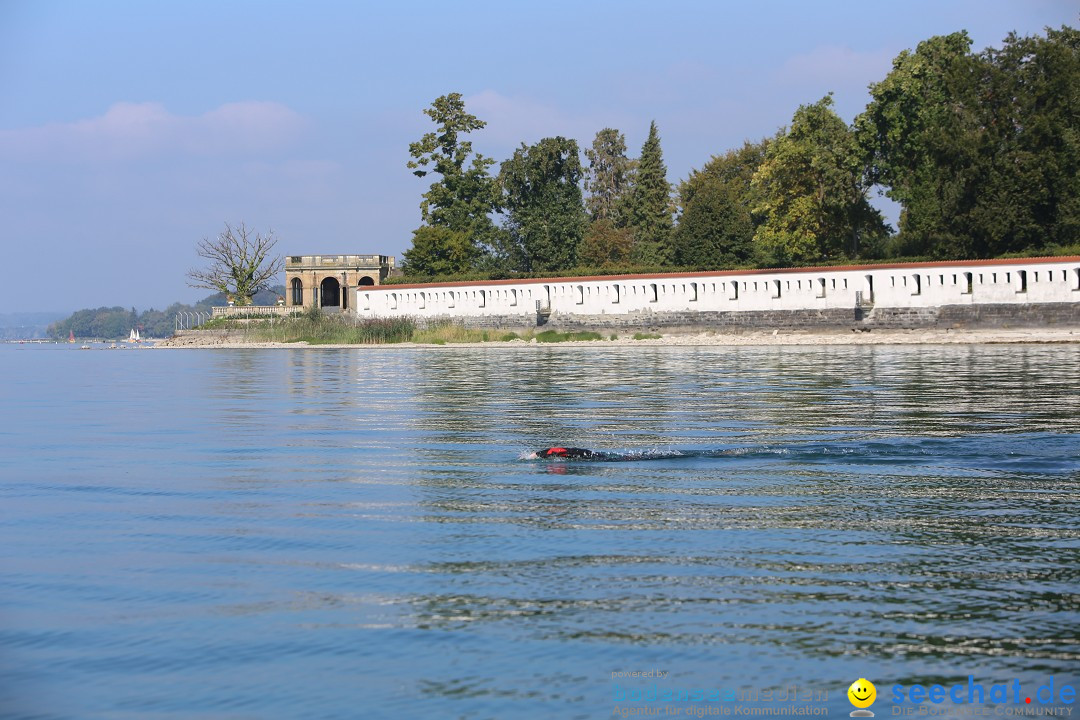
(585, 454)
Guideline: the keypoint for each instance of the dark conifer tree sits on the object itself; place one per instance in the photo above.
(649, 205)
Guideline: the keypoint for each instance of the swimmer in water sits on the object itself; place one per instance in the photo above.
(567, 453)
(575, 453)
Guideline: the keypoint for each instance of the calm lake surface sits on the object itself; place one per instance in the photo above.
(353, 533)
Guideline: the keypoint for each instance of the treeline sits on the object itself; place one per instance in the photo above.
(981, 151)
(115, 323)
(25, 325)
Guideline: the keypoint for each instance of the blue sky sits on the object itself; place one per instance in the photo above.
(131, 130)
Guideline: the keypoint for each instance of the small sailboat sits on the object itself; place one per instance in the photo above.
(71, 336)
(134, 336)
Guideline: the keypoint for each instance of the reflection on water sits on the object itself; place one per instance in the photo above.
(276, 533)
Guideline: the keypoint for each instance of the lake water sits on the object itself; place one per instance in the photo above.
(353, 533)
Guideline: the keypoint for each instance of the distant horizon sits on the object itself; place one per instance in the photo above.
(65, 313)
(120, 149)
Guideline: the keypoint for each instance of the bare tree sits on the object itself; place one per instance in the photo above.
(240, 263)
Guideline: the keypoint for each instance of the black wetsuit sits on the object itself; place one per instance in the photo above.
(568, 453)
(573, 453)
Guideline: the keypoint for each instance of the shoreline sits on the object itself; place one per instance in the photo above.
(708, 339)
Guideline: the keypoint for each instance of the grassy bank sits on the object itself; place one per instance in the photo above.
(315, 328)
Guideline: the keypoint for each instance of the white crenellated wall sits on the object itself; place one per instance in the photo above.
(915, 285)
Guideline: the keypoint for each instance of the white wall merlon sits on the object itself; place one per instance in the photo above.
(914, 285)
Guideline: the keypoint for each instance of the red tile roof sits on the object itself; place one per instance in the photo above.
(723, 273)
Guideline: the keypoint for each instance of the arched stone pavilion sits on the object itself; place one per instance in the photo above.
(328, 281)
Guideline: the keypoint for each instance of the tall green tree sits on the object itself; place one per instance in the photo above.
(542, 198)
(813, 187)
(605, 245)
(501, 253)
(608, 177)
(716, 228)
(1029, 190)
(463, 197)
(649, 207)
(921, 133)
(982, 150)
(437, 250)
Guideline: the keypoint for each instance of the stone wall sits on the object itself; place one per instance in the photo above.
(1030, 292)
(949, 316)
(1011, 315)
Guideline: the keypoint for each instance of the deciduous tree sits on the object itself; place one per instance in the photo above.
(605, 245)
(542, 197)
(241, 263)
(1029, 190)
(981, 149)
(463, 197)
(813, 188)
(716, 227)
(715, 230)
(920, 133)
(438, 250)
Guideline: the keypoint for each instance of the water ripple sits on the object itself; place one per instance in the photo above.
(309, 533)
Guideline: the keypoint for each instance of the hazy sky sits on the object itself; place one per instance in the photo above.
(131, 130)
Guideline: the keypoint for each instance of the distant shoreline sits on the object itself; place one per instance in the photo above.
(754, 338)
